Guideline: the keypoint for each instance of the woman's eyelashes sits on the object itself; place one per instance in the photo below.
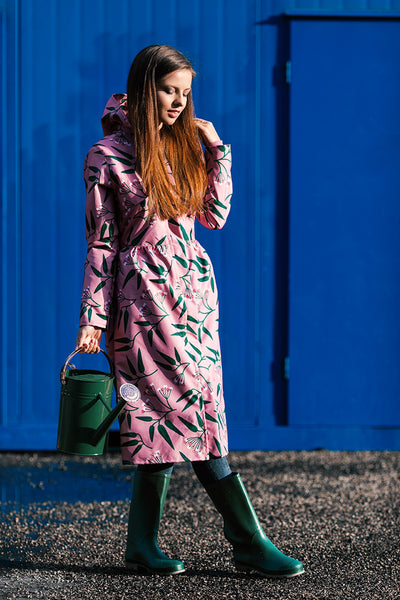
(173, 91)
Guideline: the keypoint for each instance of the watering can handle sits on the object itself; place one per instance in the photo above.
(70, 357)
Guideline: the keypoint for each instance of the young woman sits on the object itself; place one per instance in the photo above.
(151, 287)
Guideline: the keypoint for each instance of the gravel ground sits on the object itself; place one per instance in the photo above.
(337, 512)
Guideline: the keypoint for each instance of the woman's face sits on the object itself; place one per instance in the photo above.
(172, 94)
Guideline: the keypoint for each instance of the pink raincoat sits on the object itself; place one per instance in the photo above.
(151, 285)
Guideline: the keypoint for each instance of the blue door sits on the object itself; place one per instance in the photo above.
(344, 274)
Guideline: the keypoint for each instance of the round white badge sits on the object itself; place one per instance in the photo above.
(129, 392)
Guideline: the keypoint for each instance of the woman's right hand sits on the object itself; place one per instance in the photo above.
(88, 339)
(207, 132)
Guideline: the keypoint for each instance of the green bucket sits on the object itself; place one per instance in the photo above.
(85, 409)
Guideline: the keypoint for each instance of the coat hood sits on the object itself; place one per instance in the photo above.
(115, 116)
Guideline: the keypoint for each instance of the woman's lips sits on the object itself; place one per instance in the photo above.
(173, 113)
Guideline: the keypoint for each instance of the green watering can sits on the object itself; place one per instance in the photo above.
(85, 409)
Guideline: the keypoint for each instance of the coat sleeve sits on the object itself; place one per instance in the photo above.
(102, 240)
(217, 201)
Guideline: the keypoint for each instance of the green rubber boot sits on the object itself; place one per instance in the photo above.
(252, 550)
(142, 551)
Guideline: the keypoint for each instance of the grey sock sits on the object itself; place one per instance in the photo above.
(209, 471)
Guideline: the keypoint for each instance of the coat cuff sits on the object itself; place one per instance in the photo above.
(215, 144)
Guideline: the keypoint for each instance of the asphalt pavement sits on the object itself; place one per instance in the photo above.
(63, 526)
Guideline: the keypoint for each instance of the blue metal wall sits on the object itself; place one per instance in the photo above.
(61, 60)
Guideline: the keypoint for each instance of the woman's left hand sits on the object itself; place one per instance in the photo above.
(207, 132)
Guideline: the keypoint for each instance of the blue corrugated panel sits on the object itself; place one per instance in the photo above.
(344, 219)
(10, 223)
(63, 61)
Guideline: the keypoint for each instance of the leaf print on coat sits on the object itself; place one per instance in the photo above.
(152, 287)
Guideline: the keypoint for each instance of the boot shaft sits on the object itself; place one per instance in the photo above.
(148, 498)
(230, 498)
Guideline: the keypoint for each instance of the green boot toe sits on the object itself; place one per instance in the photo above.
(263, 557)
(150, 559)
(252, 550)
(161, 565)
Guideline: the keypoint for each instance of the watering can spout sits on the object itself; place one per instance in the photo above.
(104, 427)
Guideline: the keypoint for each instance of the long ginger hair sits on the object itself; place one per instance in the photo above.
(178, 144)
